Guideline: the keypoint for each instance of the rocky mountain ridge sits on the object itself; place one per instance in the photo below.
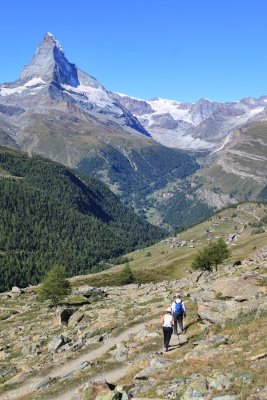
(51, 76)
(201, 125)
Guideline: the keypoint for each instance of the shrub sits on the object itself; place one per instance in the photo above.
(121, 260)
(55, 286)
(211, 255)
(126, 276)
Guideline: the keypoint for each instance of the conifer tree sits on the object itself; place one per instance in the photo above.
(126, 276)
(211, 255)
(55, 286)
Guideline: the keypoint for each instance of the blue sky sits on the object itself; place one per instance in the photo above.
(181, 50)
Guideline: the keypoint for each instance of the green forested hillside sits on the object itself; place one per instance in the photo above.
(50, 214)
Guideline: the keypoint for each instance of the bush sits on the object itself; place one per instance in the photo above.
(55, 286)
(211, 255)
(122, 260)
(126, 276)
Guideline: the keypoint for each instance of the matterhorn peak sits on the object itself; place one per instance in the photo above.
(50, 38)
(50, 64)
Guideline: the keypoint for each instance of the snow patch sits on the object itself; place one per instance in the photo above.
(37, 82)
(172, 107)
(96, 95)
(130, 97)
(58, 45)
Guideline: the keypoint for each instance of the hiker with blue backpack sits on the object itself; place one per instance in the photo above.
(178, 312)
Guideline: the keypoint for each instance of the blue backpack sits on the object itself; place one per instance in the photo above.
(178, 309)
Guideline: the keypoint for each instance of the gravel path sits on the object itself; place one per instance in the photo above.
(33, 384)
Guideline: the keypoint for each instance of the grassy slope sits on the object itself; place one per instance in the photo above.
(165, 261)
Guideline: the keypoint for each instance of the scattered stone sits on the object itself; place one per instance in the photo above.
(90, 291)
(56, 342)
(257, 357)
(7, 370)
(219, 381)
(75, 318)
(79, 367)
(16, 290)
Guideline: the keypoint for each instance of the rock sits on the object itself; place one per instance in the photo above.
(217, 339)
(7, 370)
(89, 291)
(262, 310)
(62, 316)
(46, 382)
(257, 357)
(34, 348)
(205, 312)
(56, 342)
(144, 374)
(79, 367)
(197, 389)
(120, 353)
(245, 286)
(219, 381)
(16, 290)
(75, 318)
(240, 298)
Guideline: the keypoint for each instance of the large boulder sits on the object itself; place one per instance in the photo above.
(89, 292)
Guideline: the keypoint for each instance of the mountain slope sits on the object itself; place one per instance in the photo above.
(49, 214)
(56, 110)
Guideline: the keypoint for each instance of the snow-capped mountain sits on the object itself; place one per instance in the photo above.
(60, 112)
(137, 147)
(200, 125)
(51, 76)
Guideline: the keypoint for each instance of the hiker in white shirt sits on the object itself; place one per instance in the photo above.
(179, 313)
(167, 322)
